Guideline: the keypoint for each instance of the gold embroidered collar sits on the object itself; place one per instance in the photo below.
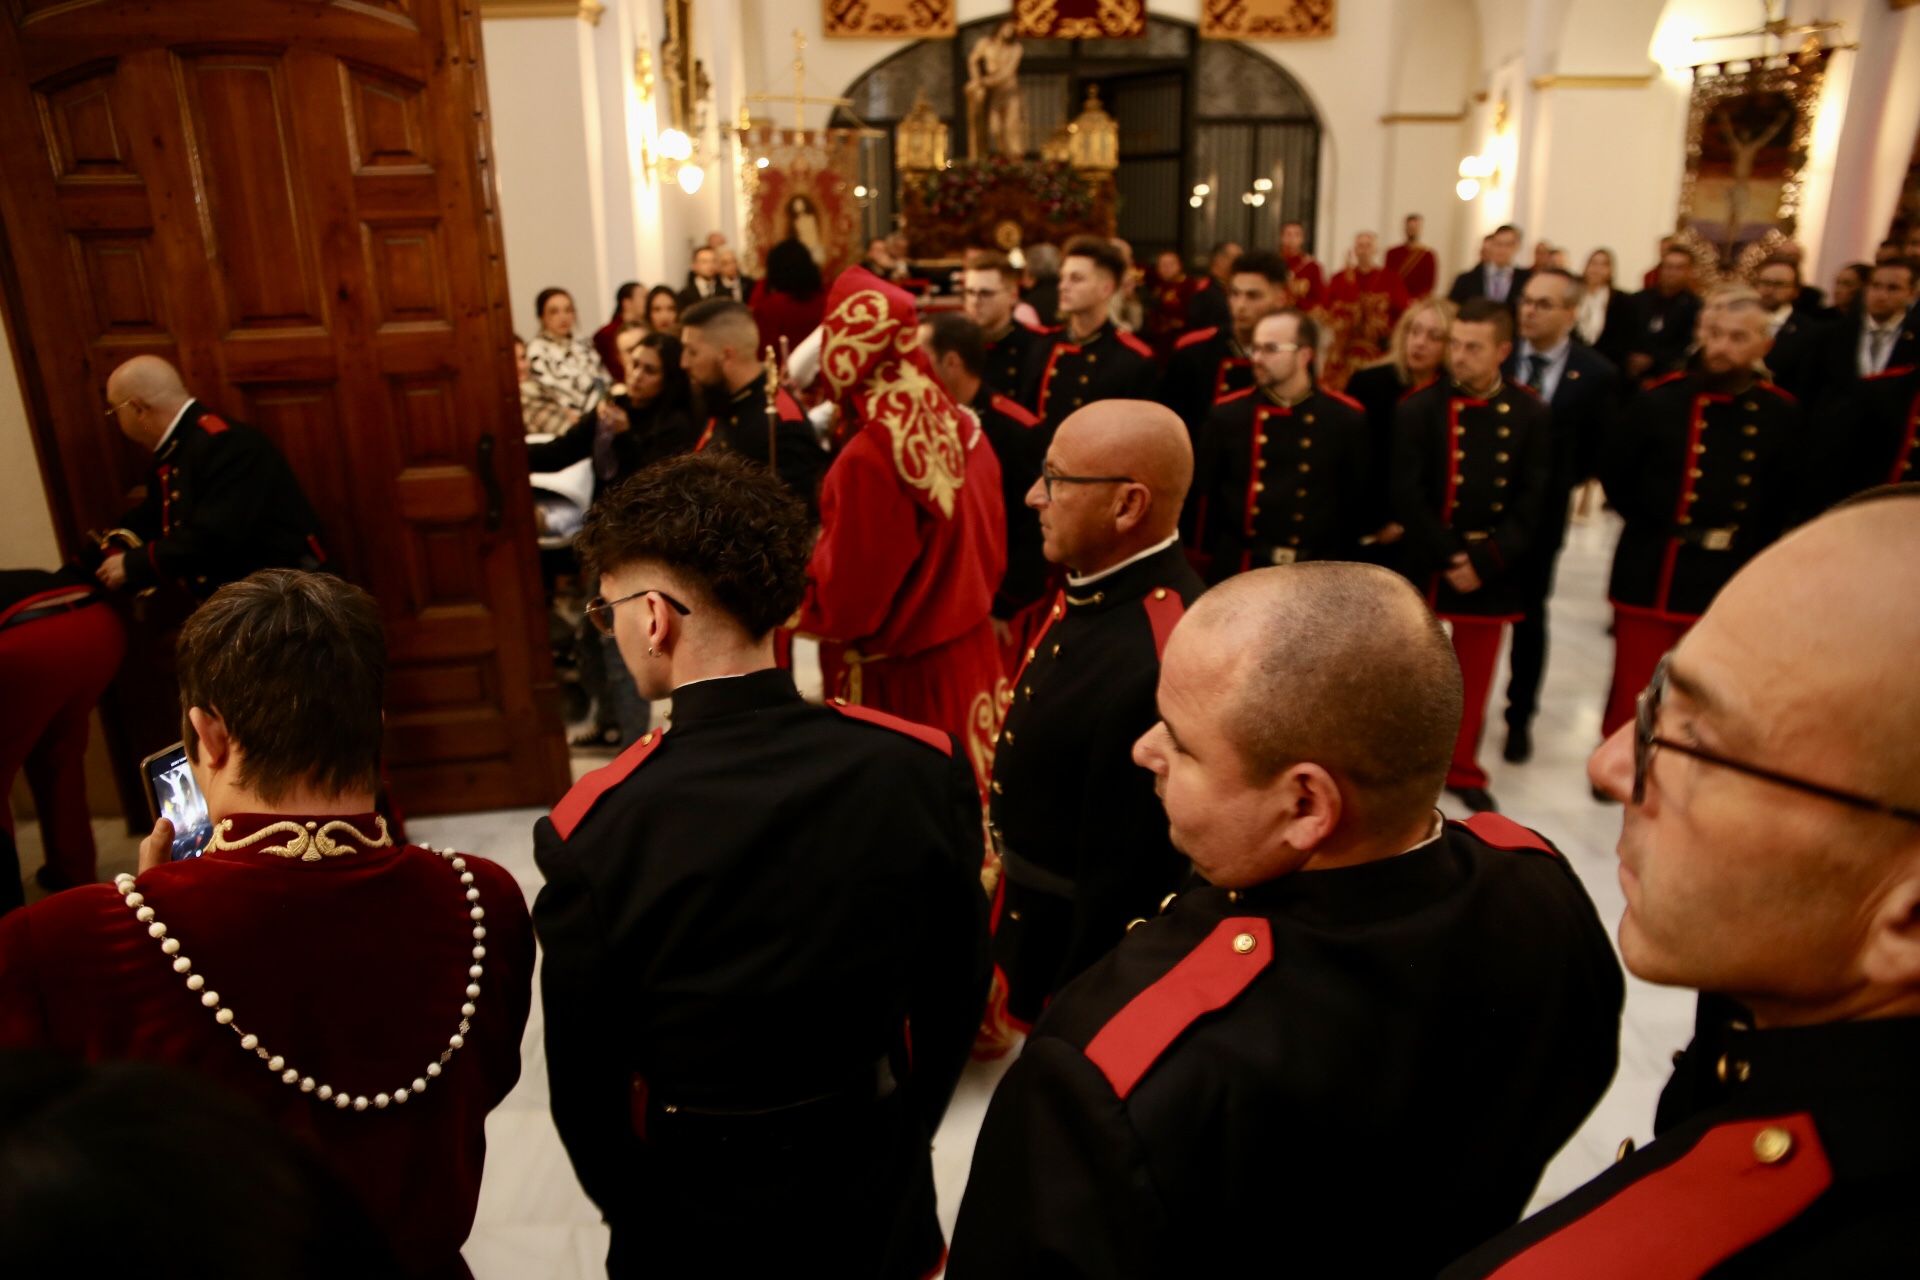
(309, 840)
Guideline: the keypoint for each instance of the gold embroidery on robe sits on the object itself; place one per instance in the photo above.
(308, 842)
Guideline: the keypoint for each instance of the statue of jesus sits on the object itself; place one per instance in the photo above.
(996, 115)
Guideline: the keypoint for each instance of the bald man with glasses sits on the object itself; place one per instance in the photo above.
(1770, 858)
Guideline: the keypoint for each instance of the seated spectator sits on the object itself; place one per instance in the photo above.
(650, 415)
(629, 312)
(161, 1150)
(763, 929)
(369, 996)
(563, 362)
(790, 300)
(663, 311)
(1354, 975)
(542, 412)
(1770, 857)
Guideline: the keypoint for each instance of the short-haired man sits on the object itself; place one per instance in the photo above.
(1581, 390)
(220, 503)
(1364, 302)
(1081, 845)
(703, 277)
(728, 280)
(1092, 359)
(1413, 262)
(1306, 281)
(1472, 466)
(1283, 468)
(1662, 319)
(1214, 362)
(958, 352)
(1797, 334)
(763, 929)
(1496, 278)
(720, 352)
(1770, 856)
(1015, 353)
(1353, 971)
(1707, 469)
(368, 996)
(1869, 392)
(1210, 304)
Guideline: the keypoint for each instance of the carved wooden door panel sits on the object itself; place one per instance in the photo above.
(292, 200)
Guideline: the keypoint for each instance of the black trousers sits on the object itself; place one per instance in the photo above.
(1527, 659)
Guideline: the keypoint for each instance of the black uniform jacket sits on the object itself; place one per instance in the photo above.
(1020, 445)
(1082, 835)
(1865, 435)
(1797, 352)
(1206, 365)
(1706, 479)
(1662, 328)
(1838, 369)
(1782, 1153)
(1281, 483)
(1472, 475)
(1208, 307)
(741, 426)
(1110, 365)
(765, 952)
(1015, 361)
(221, 503)
(1379, 390)
(1377, 1062)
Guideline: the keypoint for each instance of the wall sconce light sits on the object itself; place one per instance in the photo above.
(1476, 171)
(1200, 193)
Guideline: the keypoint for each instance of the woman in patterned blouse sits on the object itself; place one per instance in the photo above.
(560, 360)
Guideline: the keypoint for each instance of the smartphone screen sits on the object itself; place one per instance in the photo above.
(174, 795)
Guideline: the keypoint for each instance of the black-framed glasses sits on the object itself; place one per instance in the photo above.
(1049, 478)
(600, 610)
(1645, 740)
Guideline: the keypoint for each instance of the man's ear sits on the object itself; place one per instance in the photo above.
(214, 746)
(1892, 954)
(1314, 806)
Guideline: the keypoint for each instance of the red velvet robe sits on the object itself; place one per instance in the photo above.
(1417, 268)
(353, 967)
(1306, 282)
(1362, 308)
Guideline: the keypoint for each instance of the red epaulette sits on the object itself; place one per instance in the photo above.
(1137, 346)
(934, 738)
(1231, 396)
(1503, 832)
(1208, 978)
(579, 802)
(1165, 608)
(1739, 1184)
(1197, 336)
(1663, 380)
(1015, 410)
(1780, 391)
(787, 407)
(212, 423)
(706, 435)
(1341, 398)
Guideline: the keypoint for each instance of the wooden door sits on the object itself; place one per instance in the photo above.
(293, 201)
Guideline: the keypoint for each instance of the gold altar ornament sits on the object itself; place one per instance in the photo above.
(1094, 136)
(921, 138)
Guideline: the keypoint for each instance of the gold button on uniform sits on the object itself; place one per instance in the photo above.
(1244, 943)
(1159, 593)
(1308, 419)
(1502, 457)
(1622, 1151)
(1502, 407)
(1772, 1145)
(1135, 923)
(996, 786)
(1168, 901)
(1259, 487)
(1504, 432)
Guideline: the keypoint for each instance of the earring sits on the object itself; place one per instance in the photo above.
(652, 652)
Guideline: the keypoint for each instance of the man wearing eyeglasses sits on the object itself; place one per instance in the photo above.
(1770, 857)
(1707, 468)
(1282, 472)
(1082, 843)
(1015, 353)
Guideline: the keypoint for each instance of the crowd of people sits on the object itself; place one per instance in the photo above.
(1154, 620)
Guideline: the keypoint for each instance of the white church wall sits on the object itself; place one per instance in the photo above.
(27, 539)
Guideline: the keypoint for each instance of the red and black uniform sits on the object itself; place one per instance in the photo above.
(1279, 483)
(1015, 361)
(1780, 1153)
(1471, 474)
(221, 503)
(345, 954)
(1019, 445)
(796, 456)
(1109, 365)
(60, 645)
(1872, 427)
(764, 953)
(1207, 306)
(1207, 364)
(1082, 838)
(1278, 1045)
(1417, 268)
(1379, 390)
(1706, 480)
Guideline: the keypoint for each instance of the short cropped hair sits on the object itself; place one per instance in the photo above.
(1487, 311)
(727, 526)
(992, 260)
(951, 333)
(1569, 282)
(730, 323)
(1261, 262)
(1101, 252)
(1306, 331)
(1780, 260)
(1732, 297)
(1900, 264)
(295, 664)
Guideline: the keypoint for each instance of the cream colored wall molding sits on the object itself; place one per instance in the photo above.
(1424, 117)
(1595, 82)
(588, 11)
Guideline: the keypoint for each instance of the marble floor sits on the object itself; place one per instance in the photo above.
(534, 1221)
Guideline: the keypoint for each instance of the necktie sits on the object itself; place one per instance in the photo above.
(1498, 291)
(1536, 369)
(1881, 339)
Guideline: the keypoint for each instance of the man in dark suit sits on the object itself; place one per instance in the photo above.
(1880, 339)
(1664, 318)
(728, 279)
(1579, 387)
(703, 280)
(1798, 334)
(1869, 389)
(1497, 278)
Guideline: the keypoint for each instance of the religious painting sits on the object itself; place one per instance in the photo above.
(801, 187)
(889, 19)
(1266, 19)
(1747, 136)
(1081, 19)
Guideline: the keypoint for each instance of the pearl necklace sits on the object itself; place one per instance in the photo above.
(276, 1063)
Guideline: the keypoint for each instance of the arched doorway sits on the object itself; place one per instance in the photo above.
(1192, 113)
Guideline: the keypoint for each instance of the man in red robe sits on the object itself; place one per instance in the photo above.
(1305, 280)
(1414, 263)
(1364, 302)
(912, 529)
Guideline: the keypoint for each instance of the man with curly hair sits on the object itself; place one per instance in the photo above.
(765, 939)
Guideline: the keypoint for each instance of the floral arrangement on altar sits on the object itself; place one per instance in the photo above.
(1052, 190)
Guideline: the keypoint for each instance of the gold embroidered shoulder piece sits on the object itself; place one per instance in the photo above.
(308, 841)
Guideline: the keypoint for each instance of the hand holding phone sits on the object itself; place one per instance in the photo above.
(173, 795)
(157, 849)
